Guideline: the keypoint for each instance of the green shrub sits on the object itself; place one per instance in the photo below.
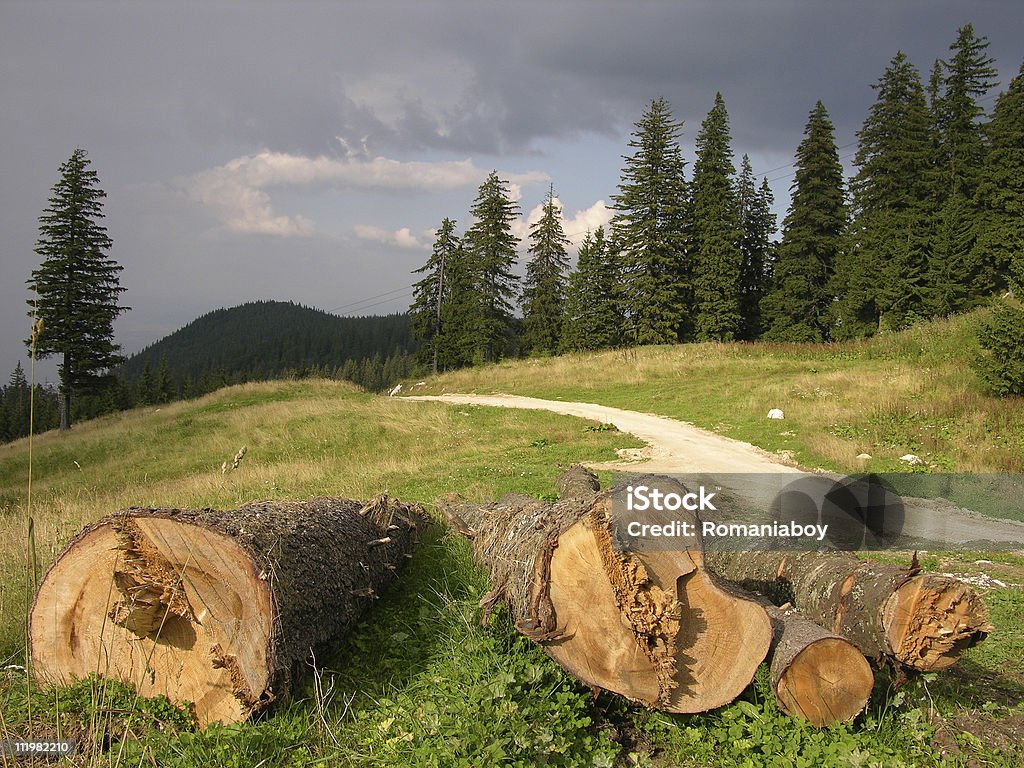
(1001, 361)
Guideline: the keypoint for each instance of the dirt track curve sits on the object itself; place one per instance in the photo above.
(678, 447)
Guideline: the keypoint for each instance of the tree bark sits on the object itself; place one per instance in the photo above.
(219, 608)
(655, 627)
(922, 621)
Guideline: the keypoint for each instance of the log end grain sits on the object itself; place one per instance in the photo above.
(931, 620)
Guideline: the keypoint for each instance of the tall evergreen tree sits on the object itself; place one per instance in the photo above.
(716, 230)
(491, 249)
(757, 226)
(649, 232)
(1000, 193)
(544, 287)
(15, 405)
(799, 306)
(960, 274)
(969, 75)
(882, 278)
(592, 316)
(77, 286)
(432, 298)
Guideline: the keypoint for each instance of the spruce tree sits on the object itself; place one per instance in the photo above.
(649, 233)
(432, 294)
(76, 286)
(882, 277)
(799, 306)
(1000, 194)
(716, 231)
(491, 249)
(969, 75)
(592, 316)
(757, 226)
(544, 286)
(961, 275)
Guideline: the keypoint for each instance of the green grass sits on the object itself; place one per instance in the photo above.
(911, 392)
(420, 682)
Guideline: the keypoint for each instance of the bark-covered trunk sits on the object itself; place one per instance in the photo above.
(655, 627)
(224, 609)
(922, 621)
(816, 675)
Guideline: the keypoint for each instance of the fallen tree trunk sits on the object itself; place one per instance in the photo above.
(219, 608)
(655, 627)
(922, 621)
(816, 674)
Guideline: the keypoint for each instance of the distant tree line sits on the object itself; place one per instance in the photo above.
(257, 341)
(932, 223)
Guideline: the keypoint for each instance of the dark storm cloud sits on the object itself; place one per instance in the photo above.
(164, 92)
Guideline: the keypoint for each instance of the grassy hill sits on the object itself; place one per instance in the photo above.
(910, 392)
(421, 682)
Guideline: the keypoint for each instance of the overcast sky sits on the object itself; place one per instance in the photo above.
(304, 151)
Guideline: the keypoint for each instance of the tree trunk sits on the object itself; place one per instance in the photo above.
(924, 622)
(816, 675)
(655, 627)
(219, 608)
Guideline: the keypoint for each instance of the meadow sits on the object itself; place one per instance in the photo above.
(421, 682)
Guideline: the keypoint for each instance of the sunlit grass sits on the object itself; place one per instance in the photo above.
(911, 392)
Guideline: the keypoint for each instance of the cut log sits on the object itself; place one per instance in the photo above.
(222, 609)
(655, 627)
(922, 621)
(816, 675)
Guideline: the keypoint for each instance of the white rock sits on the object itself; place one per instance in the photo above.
(912, 460)
(776, 413)
(863, 455)
(395, 391)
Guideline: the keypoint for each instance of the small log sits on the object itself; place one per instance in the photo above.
(921, 621)
(218, 608)
(816, 675)
(655, 627)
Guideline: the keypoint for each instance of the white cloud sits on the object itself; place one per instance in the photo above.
(403, 238)
(236, 192)
(575, 228)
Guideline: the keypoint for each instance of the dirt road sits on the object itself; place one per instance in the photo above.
(677, 447)
(673, 446)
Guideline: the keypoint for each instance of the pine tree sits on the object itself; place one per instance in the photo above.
(163, 384)
(145, 387)
(592, 316)
(961, 275)
(716, 228)
(15, 405)
(799, 306)
(544, 287)
(969, 75)
(432, 293)
(491, 249)
(1000, 194)
(757, 224)
(882, 277)
(76, 287)
(462, 313)
(649, 233)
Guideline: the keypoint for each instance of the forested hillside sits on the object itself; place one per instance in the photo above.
(266, 339)
(256, 341)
